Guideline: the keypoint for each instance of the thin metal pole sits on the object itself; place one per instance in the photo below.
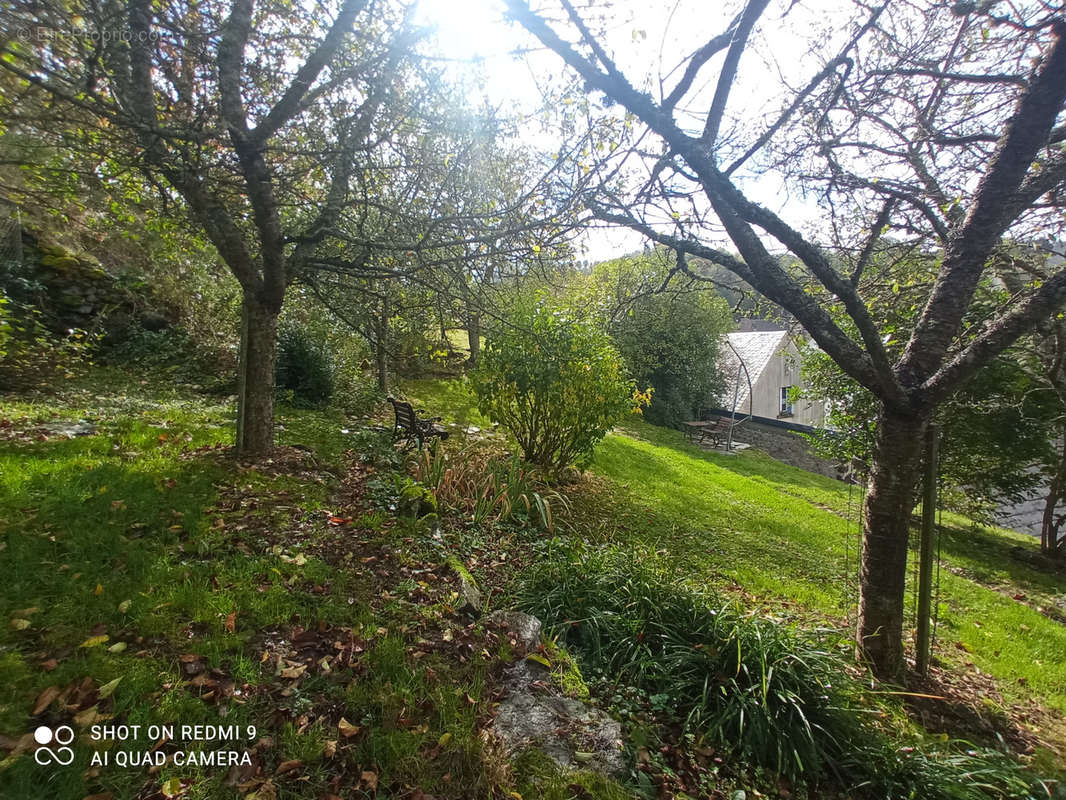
(736, 392)
(925, 552)
(733, 413)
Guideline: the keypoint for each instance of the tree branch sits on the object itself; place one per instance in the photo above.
(875, 235)
(752, 11)
(998, 336)
(696, 62)
(289, 104)
(991, 213)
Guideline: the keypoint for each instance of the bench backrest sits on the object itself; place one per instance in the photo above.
(405, 414)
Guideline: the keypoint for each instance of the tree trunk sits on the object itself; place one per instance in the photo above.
(473, 333)
(889, 502)
(1049, 527)
(255, 378)
(382, 354)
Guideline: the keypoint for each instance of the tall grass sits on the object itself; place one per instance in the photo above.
(751, 686)
(487, 487)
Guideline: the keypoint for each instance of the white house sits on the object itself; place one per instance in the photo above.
(761, 370)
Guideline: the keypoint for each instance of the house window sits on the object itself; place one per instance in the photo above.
(786, 401)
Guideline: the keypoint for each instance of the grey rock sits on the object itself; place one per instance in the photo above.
(571, 733)
(469, 596)
(154, 322)
(70, 429)
(525, 627)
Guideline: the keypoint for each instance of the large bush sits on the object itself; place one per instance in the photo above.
(305, 367)
(31, 356)
(671, 343)
(555, 381)
(668, 333)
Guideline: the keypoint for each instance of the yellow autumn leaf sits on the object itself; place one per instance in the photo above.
(539, 659)
(93, 641)
(108, 688)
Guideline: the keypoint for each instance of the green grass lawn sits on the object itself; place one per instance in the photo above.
(789, 539)
(143, 554)
(763, 524)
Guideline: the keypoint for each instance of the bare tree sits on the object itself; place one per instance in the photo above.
(254, 115)
(934, 120)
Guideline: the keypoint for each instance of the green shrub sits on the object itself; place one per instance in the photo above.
(751, 686)
(555, 381)
(31, 356)
(304, 368)
(172, 352)
(671, 342)
(5, 324)
(152, 349)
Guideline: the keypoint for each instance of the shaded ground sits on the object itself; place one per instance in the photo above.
(153, 580)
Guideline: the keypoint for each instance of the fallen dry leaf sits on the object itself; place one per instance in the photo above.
(347, 729)
(264, 792)
(370, 779)
(231, 621)
(89, 716)
(203, 680)
(288, 766)
(44, 699)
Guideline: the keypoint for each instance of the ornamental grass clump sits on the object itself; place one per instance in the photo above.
(751, 686)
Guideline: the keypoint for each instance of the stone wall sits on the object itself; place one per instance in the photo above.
(73, 290)
(1026, 516)
(785, 445)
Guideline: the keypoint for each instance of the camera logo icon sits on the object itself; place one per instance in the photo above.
(61, 737)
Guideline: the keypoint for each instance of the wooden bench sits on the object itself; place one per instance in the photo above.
(409, 426)
(699, 432)
(715, 429)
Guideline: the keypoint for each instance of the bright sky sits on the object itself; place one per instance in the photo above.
(646, 39)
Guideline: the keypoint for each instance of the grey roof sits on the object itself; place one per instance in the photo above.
(755, 349)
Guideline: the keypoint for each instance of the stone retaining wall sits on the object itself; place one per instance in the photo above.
(785, 445)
